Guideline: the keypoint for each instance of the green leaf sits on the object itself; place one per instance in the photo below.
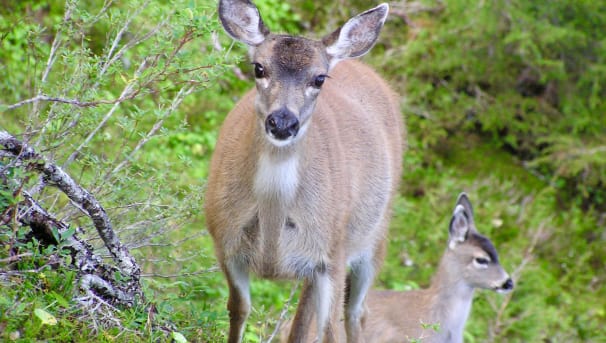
(60, 299)
(178, 337)
(68, 233)
(45, 317)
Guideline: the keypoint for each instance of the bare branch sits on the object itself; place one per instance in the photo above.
(496, 327)
(183, 92)
(15, 258)
(42, 98)
(125, 94)
(56, 176)
(56, 42)
(116, 41)
(94, 274)
(212, 269)
(51, 60)
(283, 313)
(90, 282)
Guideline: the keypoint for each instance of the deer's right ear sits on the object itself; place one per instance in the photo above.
(242, 21)
(357, 36)
(459, 226)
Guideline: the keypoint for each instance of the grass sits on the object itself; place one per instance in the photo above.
(517, 210)
(546, 245)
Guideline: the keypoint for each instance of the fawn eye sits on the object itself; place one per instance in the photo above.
(259, 71)
(481, 260)
(319, 80)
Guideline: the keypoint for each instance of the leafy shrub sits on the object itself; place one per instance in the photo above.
(528, 75)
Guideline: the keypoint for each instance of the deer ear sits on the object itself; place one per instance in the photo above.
(242, 21)
(357, 36)
(459, 226)
(463, 200)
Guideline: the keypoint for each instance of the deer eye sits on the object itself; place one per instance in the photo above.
(481, 260)
(319, 80)
(259, 71)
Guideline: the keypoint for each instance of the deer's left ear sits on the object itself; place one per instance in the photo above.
(357, 36)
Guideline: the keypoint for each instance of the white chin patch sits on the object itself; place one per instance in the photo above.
(502, 291)
(280, 142)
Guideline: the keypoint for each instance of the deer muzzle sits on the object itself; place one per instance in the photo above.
(282, 124)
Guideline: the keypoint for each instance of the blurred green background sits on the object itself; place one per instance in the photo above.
(502, 99)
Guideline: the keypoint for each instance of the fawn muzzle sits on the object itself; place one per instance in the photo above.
(507, 286)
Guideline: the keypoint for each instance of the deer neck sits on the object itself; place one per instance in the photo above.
(276, 183)
(277, 173)
(452, 299)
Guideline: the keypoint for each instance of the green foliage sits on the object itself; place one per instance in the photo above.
(527, 75)
(279, 16)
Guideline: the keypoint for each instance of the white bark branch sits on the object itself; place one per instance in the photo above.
(56, 176)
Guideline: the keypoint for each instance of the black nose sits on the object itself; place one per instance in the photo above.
(508, 285)
(282, 124)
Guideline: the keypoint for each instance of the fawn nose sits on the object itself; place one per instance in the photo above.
(507, 285)
(282, 124)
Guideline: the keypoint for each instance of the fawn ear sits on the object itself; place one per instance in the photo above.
(242, 21)
(357, 36)
(463, 200)
(461, 222)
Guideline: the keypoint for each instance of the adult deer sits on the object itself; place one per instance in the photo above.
(303, 173)
(469, 262)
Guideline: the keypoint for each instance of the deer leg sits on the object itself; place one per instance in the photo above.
(238, 304)
(329, 295)
(360, 279)
(299, 331)
(323, 294)
(321, 299)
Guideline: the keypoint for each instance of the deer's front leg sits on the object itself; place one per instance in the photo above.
(322, 299)
(238, 304)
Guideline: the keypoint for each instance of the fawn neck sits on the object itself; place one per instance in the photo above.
(452, 298)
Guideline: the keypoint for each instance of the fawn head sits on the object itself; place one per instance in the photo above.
(290, 70)
(472, 256)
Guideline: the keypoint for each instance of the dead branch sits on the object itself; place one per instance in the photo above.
(95, 276)
(54, 175)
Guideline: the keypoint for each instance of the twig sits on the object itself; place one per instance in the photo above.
(75, 102)
(172, 276)
(116, 41)
(15, 258)
(183, 92)
(69, 6)
(125, 94)
(516, 274)
(283, 312)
